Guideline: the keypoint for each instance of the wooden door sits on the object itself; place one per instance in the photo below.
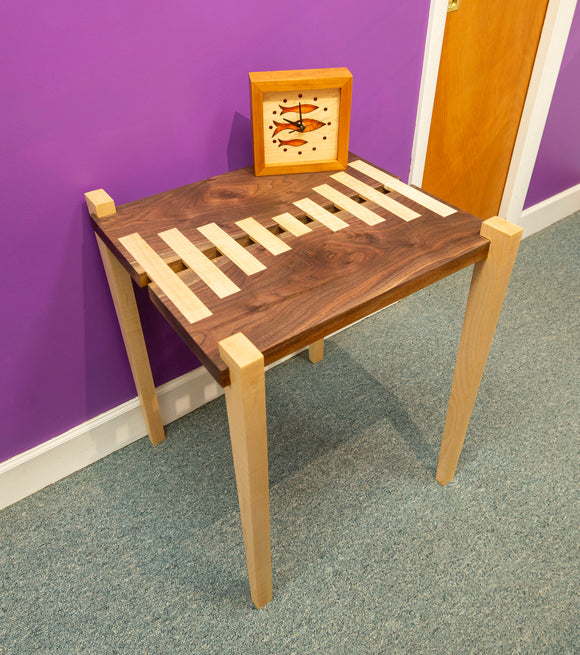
(486, 63)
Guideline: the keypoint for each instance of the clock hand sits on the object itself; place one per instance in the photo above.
(301, 121)
(294, 123)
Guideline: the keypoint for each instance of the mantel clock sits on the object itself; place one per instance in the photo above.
(300, 120)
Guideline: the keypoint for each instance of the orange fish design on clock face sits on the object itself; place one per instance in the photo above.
(309, 125)
(306, 109)
(292, 142)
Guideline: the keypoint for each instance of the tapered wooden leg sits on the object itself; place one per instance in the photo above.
(128, 315)
(488, 286)
(246, 404)
(101, 204)
(316, 351)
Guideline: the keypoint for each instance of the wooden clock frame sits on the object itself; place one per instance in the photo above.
(294, 80)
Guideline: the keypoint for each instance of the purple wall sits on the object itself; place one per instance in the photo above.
(138, 97)
(557, 166)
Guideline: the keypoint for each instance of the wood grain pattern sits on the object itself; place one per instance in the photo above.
(421, 198)
(121, 288)
(373, 172)
(221, 200)
(382, 199)
(171, 285)
(316, 351)
(100, 204)
(347, 204)
(292, 224)
(263, 236)
(488, 286)
(215, 279)
(246, 404)
(393, 184)
(486, 63)
(231, 248)
(310, 78)
(327, 281)
(318, 213)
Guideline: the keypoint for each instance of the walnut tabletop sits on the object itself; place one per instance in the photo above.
(335, 248)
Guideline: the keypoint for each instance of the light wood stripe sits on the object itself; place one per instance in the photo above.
(168, 281)
(422, 198)
(263, 236)
(348, 204)
(382, 199)
(404, 189)
(192, 256)
(231, 249)
(371, 171)
(318, 213)
(292, 224)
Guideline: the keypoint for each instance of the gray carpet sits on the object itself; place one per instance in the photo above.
(142, 552)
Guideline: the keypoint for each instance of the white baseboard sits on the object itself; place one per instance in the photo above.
(550, 211)
(53, 460)
(84, 444)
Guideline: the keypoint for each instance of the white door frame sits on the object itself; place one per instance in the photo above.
(547, 64)
(431, 59)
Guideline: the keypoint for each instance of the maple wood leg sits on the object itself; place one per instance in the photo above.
(316, 351)
(128, 315)
(246, 404)
(488, 286)
(101, 204)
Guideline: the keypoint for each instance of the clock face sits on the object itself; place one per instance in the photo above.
(301, 125)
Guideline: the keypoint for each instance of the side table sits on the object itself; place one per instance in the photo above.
(250, 269)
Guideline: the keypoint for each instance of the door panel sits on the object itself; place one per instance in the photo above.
(486, 63)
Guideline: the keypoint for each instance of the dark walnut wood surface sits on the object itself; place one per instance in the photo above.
(326, 281)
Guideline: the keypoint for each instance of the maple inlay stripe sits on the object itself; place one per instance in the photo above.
(166, 279)
(263, 236)
(318, 213)
(192, 256)
(404, 189)
(292, 224)
(371, 171)
(382, 199)
(231, 249)
(348, 204)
